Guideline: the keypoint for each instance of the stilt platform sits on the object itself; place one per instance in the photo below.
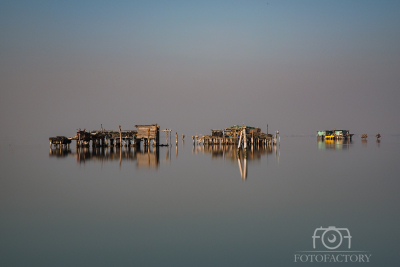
(145, 134)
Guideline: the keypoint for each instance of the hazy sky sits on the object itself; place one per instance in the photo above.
(300, 66)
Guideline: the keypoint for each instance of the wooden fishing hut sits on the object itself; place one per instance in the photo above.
(113, 138)
(236, 134)
(147, 133)
(334, 134)
(105, 138)
(60, 141)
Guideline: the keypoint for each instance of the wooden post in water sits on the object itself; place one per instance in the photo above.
(223, 136)
(240, 141)
(148, 138)
(167, 132)
(155, 140)
(79, 139)
(245, 140)
(120, 136)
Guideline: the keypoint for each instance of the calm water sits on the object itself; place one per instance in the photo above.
(198, 206)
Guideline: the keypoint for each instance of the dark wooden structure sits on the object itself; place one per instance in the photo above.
(334, 134)
(105, 138)
(60, 141)
(148, 133)
(251, 136)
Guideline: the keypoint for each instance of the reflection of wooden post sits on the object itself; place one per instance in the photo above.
(245, 169)
(120, 155)
(240, 167)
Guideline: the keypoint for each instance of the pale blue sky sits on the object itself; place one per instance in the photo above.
(299, 66)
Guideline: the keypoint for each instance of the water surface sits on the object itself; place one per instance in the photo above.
(197, 206)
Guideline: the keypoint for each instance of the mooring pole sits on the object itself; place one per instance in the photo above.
(120, 136)
(245, 140)
(240, 140)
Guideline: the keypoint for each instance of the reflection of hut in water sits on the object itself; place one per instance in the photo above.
(339, 144)
(148, 158)
(364, 142)
(233, 154)
(144, 158)
(59, 152)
